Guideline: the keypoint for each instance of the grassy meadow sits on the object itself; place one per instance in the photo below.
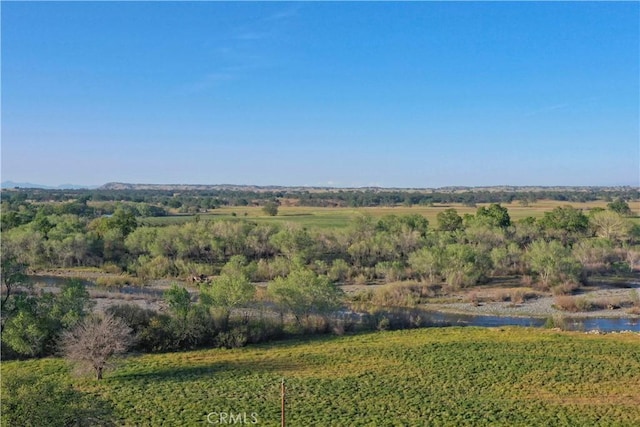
(338, 217)
(436, 376)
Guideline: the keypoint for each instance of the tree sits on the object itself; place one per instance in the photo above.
(230, 290)
(566, 218)
(179, 300)
(552, 262)
(449, 220)
(36, 321)
(29, 329)
(12, 275)
(270, 208)
(427, 262)
(96, 340)
(294, 242)
(620, 207)
(493, 216)
(303, 293)
(464, 265)
(610, 225)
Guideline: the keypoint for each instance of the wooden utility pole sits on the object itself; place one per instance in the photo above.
(282, 392)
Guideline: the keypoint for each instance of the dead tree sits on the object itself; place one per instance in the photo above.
(95, 341)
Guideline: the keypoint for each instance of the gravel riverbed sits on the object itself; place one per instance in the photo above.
(541, 307)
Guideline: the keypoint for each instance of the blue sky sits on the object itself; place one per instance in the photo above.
(331, 94)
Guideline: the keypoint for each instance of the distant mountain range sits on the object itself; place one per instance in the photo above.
(271, 188)
(265, 188)
(11, 184)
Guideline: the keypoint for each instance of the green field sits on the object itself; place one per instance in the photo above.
(331, 218)
(437, 376)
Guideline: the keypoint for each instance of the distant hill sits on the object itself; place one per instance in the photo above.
(316, 189)
(11, 184)
(271, 188)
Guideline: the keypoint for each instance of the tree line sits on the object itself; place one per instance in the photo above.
(300, 269)
(197, 200)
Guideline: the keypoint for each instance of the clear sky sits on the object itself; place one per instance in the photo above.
(331, 94)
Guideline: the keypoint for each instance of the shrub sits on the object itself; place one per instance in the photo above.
(399, 295)
(573, 304)
(384, 324)
(565, 288)
(117, 281)
(236, 337)
(565, 303)
(517, 296)
(557, 321)
(473, 298)
(112, 268)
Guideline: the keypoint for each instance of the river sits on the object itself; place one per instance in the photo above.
(435, 318)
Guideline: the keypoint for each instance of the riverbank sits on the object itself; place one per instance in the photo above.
(545, 306)
(478, 301)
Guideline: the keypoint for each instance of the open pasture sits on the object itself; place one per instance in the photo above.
(435, 376)
(338, 217)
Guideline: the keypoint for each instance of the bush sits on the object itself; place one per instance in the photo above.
(557, 321)
(384, 324)
(264, 329)
(565, 288)
(573, 304)
(117, 281)
(235, 338)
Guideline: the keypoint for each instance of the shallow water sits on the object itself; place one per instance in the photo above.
(601, 324)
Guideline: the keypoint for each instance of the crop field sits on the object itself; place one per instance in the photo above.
(331, 218)
(436, 376)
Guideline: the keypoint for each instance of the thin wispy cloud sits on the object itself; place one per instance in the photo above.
(253, 35)
(243, 50)
(209, 82)
(286, 13)
(573, 106)
(547, 109)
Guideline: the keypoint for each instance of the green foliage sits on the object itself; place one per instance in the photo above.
(178, 299)
(567, 218)
(449, 220)
(552, 262)
(12, 275)
(464, 265)
(303, 293)
(29, 331)
(270, 208)
(30, 400)
(493, 216)
(507, 260)
(42, 224)
(339, 270)
(294, 242)
(610, 225)
(37, 321)
(620, 206)
(397, 224)
(229, 290)
(72, 303)
(428, 262)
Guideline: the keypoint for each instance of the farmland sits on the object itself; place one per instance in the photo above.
(435, 376)
(340, 217)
